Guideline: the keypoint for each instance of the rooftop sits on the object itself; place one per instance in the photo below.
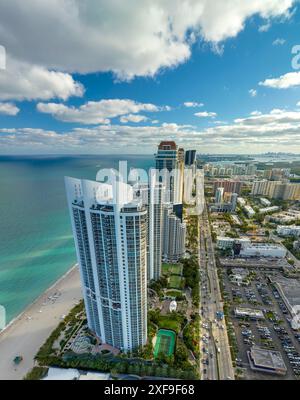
(290, 289)
(167, 145)
(265, 359)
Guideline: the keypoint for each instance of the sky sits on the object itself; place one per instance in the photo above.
(112, 77)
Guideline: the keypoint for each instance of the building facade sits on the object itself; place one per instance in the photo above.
(152, 197)
(171, 159)
(232, 186)
(174, 235)
(288, 230)
(110, 234)
(276, 190)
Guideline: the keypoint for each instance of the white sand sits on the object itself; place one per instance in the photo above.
(25, 335)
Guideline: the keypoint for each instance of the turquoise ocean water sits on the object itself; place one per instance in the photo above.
(36, 245)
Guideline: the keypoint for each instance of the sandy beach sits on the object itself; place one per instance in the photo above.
(28, 332)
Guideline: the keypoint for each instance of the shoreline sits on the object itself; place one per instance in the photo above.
(26, 333)
(37, 299)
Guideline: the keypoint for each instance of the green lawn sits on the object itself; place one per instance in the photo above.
(168, 322)
(174, 293)
(177, 269)
(168, 269)
(175, 282)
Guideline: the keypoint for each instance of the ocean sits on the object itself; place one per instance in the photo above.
(36, 244)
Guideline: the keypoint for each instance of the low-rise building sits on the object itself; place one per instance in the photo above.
(267, 210)
(285, 217)
(265, 202)
(263, 250)
(288, 230)
(264, 360)
(224, 242)
(242, 312)
(71, 374)
(249, 211)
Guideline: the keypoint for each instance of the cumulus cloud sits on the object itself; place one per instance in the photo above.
(278, 130)
(132, 38)
(9, 109)
(291, 79)
(253, 92)
(24, 81)
(206, 114)
(133, 118)
(192, 104)
(98, 112)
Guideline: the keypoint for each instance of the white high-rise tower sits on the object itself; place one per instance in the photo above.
(110, 229)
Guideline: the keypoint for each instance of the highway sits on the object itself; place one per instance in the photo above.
(214, 339)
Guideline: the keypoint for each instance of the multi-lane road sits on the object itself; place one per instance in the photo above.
(215, 360)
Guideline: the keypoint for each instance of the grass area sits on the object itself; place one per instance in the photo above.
(169, 322)
(171, 269)
(175, 281)
(165, 342)
(36, 374)
(174, 293)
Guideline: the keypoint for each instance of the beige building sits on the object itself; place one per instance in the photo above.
(276, 190)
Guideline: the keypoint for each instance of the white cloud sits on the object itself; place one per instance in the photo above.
(132, 38)
(193, 104)
(206, 114)
(285, 81)
(23, 81)
(255, 113)
(278, 42)
(97, 112)
(253, 92)
(277, 130)
(133, 118)
(265, 27)
(9, 109)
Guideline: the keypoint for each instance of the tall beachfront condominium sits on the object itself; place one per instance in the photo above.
(110, 233)
(151, 195)
(174, 234)
(171, 158)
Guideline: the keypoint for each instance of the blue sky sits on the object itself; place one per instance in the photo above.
(139, 87)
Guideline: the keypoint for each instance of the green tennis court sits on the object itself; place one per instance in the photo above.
(165, 342)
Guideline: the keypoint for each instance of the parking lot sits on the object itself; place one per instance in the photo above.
(272, 332)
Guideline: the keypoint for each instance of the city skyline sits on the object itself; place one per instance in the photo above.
(222, 87)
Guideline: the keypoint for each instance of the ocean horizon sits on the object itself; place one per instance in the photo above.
(37, 245)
